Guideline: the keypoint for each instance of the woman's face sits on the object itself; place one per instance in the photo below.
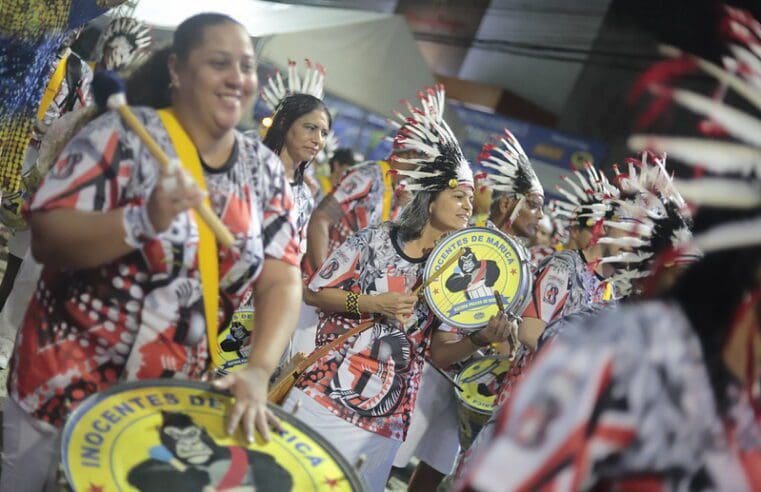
(452, 208)
(218, 81)
(306, 136)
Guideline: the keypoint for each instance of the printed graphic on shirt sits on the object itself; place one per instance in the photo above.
(372, 380)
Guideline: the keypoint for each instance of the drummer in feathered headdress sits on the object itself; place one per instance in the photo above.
(360, 396)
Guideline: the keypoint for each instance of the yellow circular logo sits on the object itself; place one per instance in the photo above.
(463, 295)
(164, 435)
(580, 158)
(234, 342)
(480, 382)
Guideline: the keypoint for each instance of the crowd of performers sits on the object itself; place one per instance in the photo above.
(636, 363)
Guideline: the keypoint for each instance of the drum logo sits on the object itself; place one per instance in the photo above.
(463, 296)
(234, 342)
(173, 438)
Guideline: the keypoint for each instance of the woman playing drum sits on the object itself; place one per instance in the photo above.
(361, 395)
(120, 296)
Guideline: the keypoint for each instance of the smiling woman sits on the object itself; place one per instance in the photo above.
(126, 281)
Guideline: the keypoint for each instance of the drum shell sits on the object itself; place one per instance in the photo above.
(474, 410)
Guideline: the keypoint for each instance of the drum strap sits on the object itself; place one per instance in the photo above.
(388, 190)
(208, 260)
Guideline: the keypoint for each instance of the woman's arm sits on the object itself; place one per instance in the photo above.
(277, 299)
(448, 348)
(71, 238)
(394, 305)
(318, 231)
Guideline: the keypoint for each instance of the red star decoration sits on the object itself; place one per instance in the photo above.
(95, 488)
(435, 292)
(332, 482)
(513, 271)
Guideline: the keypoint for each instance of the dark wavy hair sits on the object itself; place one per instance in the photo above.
(286, 113)
(149, 83)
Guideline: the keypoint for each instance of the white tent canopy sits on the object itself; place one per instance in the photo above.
(371, 58)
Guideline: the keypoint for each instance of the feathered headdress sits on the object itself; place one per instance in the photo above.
(735, 167)
(655, 217)
(439, 162)
(312, 83)
(124, 42)
(512, 171)
(588, 200)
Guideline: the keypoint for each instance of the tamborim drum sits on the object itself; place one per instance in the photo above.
(463, 296)
(234, 342)
(165, 435)
(480, 381)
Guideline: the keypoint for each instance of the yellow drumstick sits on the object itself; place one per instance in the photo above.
(112, 94)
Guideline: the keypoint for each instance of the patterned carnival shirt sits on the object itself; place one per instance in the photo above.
(141, 316)
(361, 194)
(623, 403)
(372, 380)
(564, 285)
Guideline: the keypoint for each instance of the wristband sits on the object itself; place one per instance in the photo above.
(138, 228)
(352, 303)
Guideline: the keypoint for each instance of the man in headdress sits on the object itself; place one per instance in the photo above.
(661, 393)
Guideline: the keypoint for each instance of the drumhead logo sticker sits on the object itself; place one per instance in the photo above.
(234, 342)
(463, 296)
(167, 435)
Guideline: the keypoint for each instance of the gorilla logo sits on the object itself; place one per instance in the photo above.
(237, 340)
(473, 276)
(190, 460)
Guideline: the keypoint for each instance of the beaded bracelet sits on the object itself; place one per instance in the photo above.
(352, 303)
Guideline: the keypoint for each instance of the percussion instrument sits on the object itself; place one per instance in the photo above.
(462, 295)
(170, 435)
(480, 381)
(233, 344)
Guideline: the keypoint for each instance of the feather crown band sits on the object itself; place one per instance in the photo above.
(125, 41)
(512, 172)
(588, 199)
(438, 162)
(732, 165)
(312, 82)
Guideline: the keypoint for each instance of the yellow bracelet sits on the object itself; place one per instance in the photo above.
(352, 303)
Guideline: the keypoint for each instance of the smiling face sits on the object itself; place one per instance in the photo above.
(306, 136)
(452, 208)
(218, 80)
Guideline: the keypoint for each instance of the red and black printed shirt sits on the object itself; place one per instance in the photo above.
(360, 193)
(371, 381)
(142, 315)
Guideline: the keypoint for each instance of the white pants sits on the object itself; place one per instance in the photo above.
(351, 441)
(433, 435)
(31, 450)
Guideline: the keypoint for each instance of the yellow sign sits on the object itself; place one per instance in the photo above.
(463, 296)
(234, 342)
(480, 382)
(167, 435)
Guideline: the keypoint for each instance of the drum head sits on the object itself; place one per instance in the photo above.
(234, 342)
(480, 382)
(170, 435)
(463, 296)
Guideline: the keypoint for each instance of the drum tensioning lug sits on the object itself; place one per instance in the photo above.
(296, 407)
(360, 462)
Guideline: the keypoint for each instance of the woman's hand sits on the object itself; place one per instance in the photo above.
(174, 193)
(499, 329)
(394, 305)
(249, 387)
